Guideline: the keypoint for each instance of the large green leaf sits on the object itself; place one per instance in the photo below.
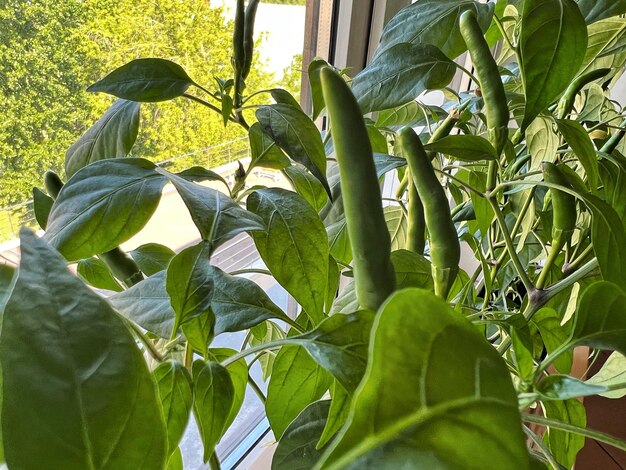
(434, 22)
(214, 395)
(76, 387)
(297, 450)
(216, 216)
(295, 246)
(190, 284)
(239, 303)
(238, 371)
(103, 205)
(339, 344)
(297, 380)
(42, 205)
(97, 274)
(112, 136)
(152, 257)
(146, 80)
(600, 318)
(423, 405)
(174, 386)
(466, 148)
(337, 415)
(596, 10)
(612, 373)
(580, 142)
(553, 42)
(147, 304)
(397, 222)
(264, 151)
(542, 142)
(613, 175)
(400, 74)
(296, 134)
(554, 335)
(565, 445)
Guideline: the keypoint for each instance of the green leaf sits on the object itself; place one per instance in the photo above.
(75, 383)
(397, 225)
(307, 186)
(152, 257)
(176, 460)
(216, 216)
(147, 304)
(603, 36)
(596, 10)
(95, 273)
(334, 276)
(563, 387)
(339, 344)
(264, 151)
(284, 97)
(434, 22)
(316, 86)
(542, 141)
(337, 415)
(199, 332)
(554, 336)
(145, 80)
(295, 246)
(296, 134)
(238, 371)
(297, 380)
(408, 114)
(612, 373)
(346, 301)
(565, 445)
(412, 270)
(112, 136)
(189, 284)
(227, 107)
(600, 318)
(198, 174)
(6, 280)
(42, 205)
(239, 303)
(466, 148)
(609, 240)
(553, 42)
(400, 74)
(214, 393)
(430, 407)
(102, 206)
(612, 174)
(577, 138)
(174, 387)
(297, 450)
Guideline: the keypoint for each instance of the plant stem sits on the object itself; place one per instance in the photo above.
(503, 32)
(575, 263)
(257, 389)
(152, 350)
(590, 433)
(214, 462)
(188, 355)
(544, 450)
(204, 103)
(255, 349)
(469, 74)
(570, 280)
(250, 271)
(530, 288)
(543, 276)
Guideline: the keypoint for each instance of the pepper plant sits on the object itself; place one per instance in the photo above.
(417, 362)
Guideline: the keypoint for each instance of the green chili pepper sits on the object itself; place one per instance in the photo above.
(445, 250)
(374, 275)
(416, 226)
(563, 206)
(492, 89)
(53, 183)
(239, 54)
(563, 217)
(248, 37)
(566, 103)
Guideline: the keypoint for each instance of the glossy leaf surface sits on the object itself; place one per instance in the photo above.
(112, 136)
(119, 194)
(75, 383)
(430, 407)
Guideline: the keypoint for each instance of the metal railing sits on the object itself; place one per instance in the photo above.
(12, 218)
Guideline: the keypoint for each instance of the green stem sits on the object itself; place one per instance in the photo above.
(255, 349)
(467, 72)
(590, 433)
(555, 250)
(205, 103)
(152, 350)
(257, 389)
(251, 271)
(503, 32)
(570, 280)
(214, 462)
(530, 288)
(188, 355)
(578, 261)
(544, 450)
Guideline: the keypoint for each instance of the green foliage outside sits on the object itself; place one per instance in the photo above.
(50, 51)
